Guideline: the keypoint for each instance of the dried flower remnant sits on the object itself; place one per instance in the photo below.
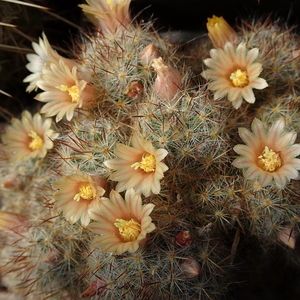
(234, 73)
(124, 224)
(77, 195)
(12, 222)
(52, 256)
(220, 32)
(184, 238)
(45, 55)
(139, 167)
(168, 81)
(12, 181)
(63, 91)
(111, 15)
(134, 90)
(269, 153)
(29, 137)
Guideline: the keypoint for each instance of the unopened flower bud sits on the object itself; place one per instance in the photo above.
(190, 268)
(184, 238)
(168, 81)
(220, 32)
(13, 222)
(134, 90)
(287, 236)
(149, 53)
(97, 287)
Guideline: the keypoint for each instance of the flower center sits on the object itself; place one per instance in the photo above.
(36, 142)
(86, 191)
(73, 91)
(269, 160)
(239, 78)
(129, 230)
(148, 163)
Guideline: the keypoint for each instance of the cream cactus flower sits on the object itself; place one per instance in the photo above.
(29, 137)
(77, 195)
(111, 15)
(123, 224)
(269, 154)
(139, 167)
(63, 91)
(45, 55)
(234, 73)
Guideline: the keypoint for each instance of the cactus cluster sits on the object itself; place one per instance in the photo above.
(147, 161)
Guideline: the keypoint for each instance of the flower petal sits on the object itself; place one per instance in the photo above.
(248, 94)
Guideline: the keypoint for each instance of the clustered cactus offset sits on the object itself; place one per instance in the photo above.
(144, 165)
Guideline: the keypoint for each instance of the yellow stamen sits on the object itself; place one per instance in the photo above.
(148, 163)
(239, 78)
(73, 91)
(86, 191)
(37, 142)
(269, 160)
(110, 3)
(129, 230)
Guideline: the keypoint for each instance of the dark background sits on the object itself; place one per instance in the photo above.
(272, 275)
(192, 14)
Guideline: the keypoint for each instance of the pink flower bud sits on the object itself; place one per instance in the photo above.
(13, 222)
(168, 80)
(190, 268)
(184, 238)
(149, 53)
(134, 90)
